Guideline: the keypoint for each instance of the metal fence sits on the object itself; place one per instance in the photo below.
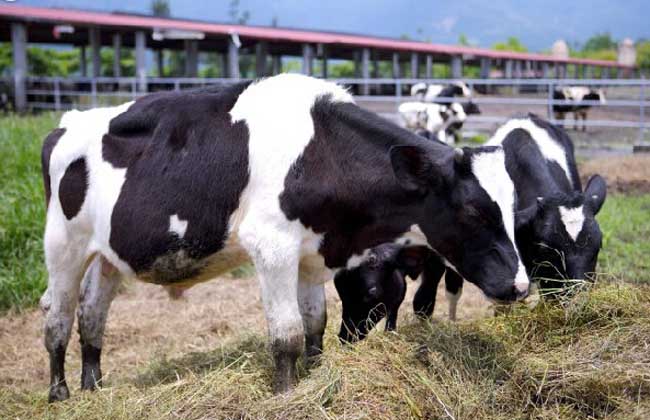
(624, 108)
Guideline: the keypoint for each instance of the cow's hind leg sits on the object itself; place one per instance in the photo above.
(276, 257)
(313, 309)
(98, 289)
(65, 264)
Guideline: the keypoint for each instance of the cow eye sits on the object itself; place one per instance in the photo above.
(372, 260)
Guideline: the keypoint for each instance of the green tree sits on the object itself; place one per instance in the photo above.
(643, 55)
(512, 44)
(160, 8)
(462, 40)
(600, 42)
(237, 16)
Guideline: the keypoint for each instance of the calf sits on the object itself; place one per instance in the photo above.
(556, 229)
(434, 121)
(432, 93)
(178, 187)
(576, 94)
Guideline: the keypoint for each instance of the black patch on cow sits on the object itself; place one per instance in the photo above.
(183, 157)
(342, 185)
(73, 187)
(48, 145)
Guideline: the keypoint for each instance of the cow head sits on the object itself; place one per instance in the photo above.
(468, 214)
(563, 238)
(376, 288)
(596, 95)
(470, 108)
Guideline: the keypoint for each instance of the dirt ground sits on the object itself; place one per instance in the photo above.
(145, 325)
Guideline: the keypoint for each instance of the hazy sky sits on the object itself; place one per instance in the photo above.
(537, 23)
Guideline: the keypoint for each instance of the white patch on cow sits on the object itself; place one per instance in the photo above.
(453, 299)
(573, 220)
(490, 171)
(463, 86)
(458, 112)
(549, 147)
(277, 112)
(177, 225)
(421, 115)
(575, 93)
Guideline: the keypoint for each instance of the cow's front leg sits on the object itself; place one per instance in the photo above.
(311, 297)
(276, 257)
(454, 289)
(98, 289)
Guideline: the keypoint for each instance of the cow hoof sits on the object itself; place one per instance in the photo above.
(282, 386)
(58, 392)
(91, 380)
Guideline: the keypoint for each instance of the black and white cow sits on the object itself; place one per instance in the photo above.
(433, 92)
(557, 232)
(176, 188)
(435, 121)
(576, 94)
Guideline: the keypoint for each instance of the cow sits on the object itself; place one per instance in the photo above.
(432, 93)
(288, 172)
(576, 94)
(435, 121)
(556, 229)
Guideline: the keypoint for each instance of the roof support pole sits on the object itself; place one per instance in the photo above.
(140, 60)
(83, 63)
(365, 70)
(545, 69)
(19, 44)
(485, 68)
(518, 69)
(191, 58)
(233, 57)
(160, 62)
(356, 57)
(307, 59)
(117, 53)
(276, 64)
(415, 73)
(396, 72)
(428, 67)
(322, 52)
(261, 55)
(95, 45)
(620, 73)
(507, 71)
(588, 72)
(560, 70)
(457, 66)
(604, 72)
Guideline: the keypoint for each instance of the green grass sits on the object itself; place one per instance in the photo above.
(625, 223)
(22, 209)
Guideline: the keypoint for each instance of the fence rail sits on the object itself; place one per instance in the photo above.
(55, 93)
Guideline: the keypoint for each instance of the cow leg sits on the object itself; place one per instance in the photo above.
(584, 121)
(275, 253)
(576, 117)
(424, 300)
(65, 265)
(314, 318)
(454, 289)
(98, 289)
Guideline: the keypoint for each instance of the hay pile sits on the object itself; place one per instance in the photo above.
(587, 357)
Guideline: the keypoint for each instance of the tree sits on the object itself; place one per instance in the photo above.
(462, 40)
(236, 16)
(511, 44)
(600, 42)
(160, 8)
(643, 55)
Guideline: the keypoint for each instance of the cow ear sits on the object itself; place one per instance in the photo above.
(410, 260)
(412, 167)
(525, 216)
(595, 193)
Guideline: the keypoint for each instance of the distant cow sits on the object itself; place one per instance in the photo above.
(576, 94)
(442, 122)
(178, 187)
(432, 93)
(556, 229)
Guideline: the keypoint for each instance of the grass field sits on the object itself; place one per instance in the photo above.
(586, 358)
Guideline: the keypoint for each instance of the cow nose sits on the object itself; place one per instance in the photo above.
(519, 292)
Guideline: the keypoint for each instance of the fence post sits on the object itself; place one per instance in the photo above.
(549, 108)
(398, 93)
(57, 94)
(93, 92)
(642, 111)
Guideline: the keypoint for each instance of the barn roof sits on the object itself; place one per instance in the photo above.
(36, 15)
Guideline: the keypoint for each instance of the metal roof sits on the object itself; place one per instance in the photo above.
(120, 20)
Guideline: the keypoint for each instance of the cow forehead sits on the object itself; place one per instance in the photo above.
(573, 220)
(489, 168)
